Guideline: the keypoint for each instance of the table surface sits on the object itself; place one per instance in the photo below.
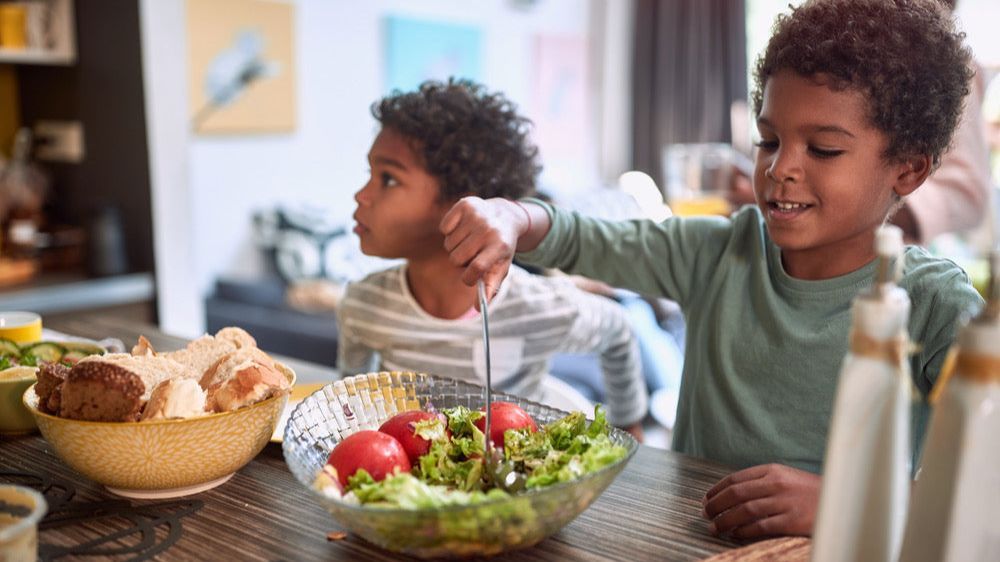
(651, 511)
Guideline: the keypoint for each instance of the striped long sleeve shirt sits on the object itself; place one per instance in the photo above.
(531, 318)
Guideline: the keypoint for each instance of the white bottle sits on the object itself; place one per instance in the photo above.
(955, 513)
(866, 472)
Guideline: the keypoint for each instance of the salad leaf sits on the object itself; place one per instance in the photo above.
(431, 430)
(462, 422)
(562, 431)
(446, 463)
(407, 491)
(451, 472)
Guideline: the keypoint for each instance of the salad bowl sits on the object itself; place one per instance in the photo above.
(485, 528)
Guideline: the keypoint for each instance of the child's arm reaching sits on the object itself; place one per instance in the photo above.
(764, 500)
(483, 234)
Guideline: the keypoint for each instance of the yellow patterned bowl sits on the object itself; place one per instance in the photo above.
(162, 458)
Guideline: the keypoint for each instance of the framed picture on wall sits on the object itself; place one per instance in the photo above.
(241, 64)
(418, 50)
(559, 102)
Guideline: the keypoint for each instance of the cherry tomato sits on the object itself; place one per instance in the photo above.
(402, 427)
(506, 415)
(378, 453)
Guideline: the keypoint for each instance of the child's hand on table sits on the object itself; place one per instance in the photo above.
(764, 500)
(636, 431)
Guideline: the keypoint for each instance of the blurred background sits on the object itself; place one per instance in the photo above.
(187, 162)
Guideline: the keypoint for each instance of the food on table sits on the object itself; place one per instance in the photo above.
(175, 398)
(23, 362)
(506, 415)
(241, 378)
(49, 385)
(146, 385)
(451, 472)
(373, 453)
(102, 391)
(147, 371)
(403, 427)
(38, 353)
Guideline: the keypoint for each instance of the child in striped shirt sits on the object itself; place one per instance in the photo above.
(438, 144)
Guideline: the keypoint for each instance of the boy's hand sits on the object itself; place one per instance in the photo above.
(764, 500)
(481, 236)
(636, 431)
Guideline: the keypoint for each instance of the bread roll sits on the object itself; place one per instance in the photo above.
(101, 391)
(202, 353)
(151, 369)
(175, 398)
(237, 336)
(241, 378)
(50, 379)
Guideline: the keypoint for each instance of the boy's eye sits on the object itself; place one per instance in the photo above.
(767, 145)
(388, 180)
(825, 153)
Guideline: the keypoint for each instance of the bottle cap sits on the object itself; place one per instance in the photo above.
(889, 241)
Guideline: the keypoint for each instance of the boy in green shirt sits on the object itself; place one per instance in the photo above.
(856, 102)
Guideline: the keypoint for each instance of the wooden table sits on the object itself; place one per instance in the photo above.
(651, 511)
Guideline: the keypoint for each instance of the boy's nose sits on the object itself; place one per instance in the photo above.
(361, 196)
(783, 168)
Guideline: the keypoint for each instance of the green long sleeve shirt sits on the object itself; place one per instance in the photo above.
(763, 349)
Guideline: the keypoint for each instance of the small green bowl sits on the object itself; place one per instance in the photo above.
(15, 419)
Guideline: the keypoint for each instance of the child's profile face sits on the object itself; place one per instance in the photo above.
(398, 209)
(820, 178)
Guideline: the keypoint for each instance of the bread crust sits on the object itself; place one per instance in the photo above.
(241, 378)
(101, 391)
(50, 377)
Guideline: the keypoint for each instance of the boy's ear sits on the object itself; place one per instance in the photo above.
(912, 172)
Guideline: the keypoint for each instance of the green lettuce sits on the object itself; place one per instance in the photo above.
(451, 472)
(409, 492)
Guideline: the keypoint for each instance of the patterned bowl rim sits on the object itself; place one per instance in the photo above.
(632, 447)
(29, 398)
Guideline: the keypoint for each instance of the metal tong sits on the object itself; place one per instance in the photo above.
(499, 472)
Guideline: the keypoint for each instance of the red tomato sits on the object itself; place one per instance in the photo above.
(378, 453)
(401, 426)
(506, 415)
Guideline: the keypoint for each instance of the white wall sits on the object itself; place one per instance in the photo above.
(205, 188)
(179, 302)
(980, 20)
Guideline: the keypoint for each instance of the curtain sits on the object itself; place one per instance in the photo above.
(689, 66)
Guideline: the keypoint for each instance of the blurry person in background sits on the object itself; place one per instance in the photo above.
(956, 198)
(991, 113)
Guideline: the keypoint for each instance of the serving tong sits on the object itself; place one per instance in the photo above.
(497, 470)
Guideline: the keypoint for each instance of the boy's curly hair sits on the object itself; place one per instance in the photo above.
(904, 56)
(472, 140)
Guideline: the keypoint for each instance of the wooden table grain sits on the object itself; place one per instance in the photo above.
(650, 512)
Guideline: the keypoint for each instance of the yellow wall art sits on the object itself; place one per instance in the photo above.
(241, 66)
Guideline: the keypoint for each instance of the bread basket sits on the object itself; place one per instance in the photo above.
(162, 458)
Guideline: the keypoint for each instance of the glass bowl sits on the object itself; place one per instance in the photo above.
(341, 408)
